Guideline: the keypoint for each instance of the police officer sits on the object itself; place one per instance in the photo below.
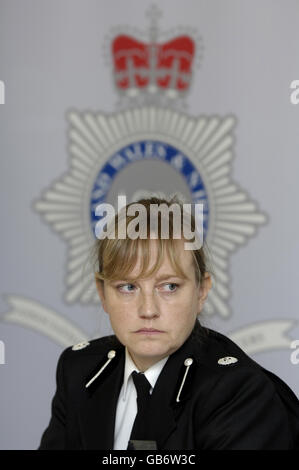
(164, 381)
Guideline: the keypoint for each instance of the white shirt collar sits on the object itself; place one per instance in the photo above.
(152, 373)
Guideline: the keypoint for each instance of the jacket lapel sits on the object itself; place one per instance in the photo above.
(97, 414)
(164, 410)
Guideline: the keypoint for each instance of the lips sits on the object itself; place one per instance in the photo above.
(148, 330)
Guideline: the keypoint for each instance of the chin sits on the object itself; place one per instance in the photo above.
(152, 350)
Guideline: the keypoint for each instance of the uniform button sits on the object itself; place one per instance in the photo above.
(188, 361)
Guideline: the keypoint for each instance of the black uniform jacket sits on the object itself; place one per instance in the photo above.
(235, 405)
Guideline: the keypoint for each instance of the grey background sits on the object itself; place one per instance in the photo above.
(51, 60)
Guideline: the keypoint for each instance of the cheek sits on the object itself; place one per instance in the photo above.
(118, 323)
(113, 303)
(119, 314)
(185, 310)
(187, 301)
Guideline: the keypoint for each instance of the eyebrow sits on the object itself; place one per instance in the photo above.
(160, 278)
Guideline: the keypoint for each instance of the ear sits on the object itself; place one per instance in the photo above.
(206, 285)
(101, 292)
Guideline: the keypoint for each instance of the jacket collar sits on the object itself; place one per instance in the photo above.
(98, 410)
(151, 373)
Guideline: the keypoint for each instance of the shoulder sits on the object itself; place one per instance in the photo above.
(233, 368)
(89, 351)
(93, 346)
(222, 360)
(226, 376)
(220, 354)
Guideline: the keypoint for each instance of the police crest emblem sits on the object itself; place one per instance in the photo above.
(149, 145)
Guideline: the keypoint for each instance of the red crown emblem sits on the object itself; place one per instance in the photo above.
(153, 66)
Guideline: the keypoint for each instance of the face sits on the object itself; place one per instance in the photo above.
(154, 316)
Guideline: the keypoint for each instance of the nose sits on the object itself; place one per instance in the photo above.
(148, 306)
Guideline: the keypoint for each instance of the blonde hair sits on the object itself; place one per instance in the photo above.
(115, 258)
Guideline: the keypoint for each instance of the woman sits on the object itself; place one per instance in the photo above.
(195, 388)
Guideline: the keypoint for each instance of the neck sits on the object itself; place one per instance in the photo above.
(143, 364)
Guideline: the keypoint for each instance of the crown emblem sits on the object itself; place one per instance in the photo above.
(153, 66)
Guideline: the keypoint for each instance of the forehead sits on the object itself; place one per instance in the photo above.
(183, 258)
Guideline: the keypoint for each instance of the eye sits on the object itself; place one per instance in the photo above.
(120, 287)
(172, 284)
